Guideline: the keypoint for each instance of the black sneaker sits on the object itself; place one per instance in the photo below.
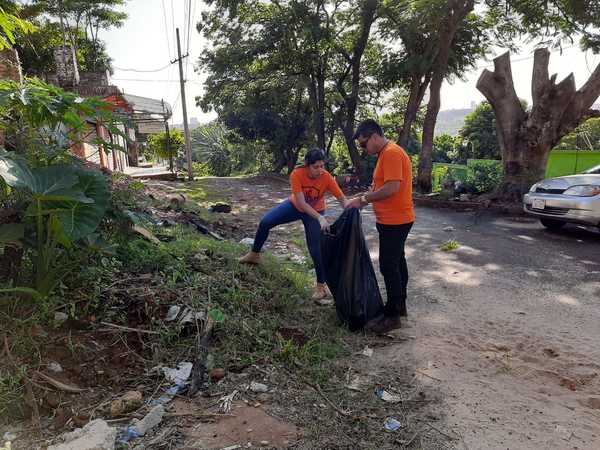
(374, 321)
(386, 325)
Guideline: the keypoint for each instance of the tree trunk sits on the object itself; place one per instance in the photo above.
(433, 108)
(458, 11)
(316, 91)
(526, 139)
(418, 88)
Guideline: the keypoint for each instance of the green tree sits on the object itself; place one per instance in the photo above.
(479, 133)
(585, 137)
(165, 147)
(443, 147)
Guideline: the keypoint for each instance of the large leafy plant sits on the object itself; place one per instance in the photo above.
(57, 203)
(65, 204)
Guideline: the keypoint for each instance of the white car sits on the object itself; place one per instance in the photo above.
(568, 199)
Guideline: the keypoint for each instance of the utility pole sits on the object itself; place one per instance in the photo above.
(186, 129)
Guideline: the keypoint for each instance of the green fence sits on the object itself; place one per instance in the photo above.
(570, 162)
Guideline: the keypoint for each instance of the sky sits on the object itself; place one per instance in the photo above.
(147, 42)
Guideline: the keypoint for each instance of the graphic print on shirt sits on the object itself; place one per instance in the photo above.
(311, 195)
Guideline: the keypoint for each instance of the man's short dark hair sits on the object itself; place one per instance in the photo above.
(367, 128)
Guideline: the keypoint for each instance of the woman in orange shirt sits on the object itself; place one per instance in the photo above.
(309, 185)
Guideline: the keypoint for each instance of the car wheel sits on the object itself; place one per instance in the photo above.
(552, 224)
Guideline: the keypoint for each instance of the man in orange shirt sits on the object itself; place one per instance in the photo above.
(391, 196)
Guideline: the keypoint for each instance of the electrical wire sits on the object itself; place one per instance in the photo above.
(166, 28)
(143, 70)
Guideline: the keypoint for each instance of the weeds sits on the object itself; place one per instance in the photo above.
(450, 245)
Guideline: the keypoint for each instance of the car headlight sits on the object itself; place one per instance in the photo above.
(534, 187)
(585, 190)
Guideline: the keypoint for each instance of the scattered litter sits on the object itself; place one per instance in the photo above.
(247, 241)
(367, 351)
(216, 374)
(9, 436)
(226, 401)
(146, 233)
(386, 396)
(324, 301)
(358, 383)
(233, 447)
(448, 229)
(96, 435)
(179, 375)
(7, 446)
(128, 402)
(60, 317)
(264, 443)
(220, 208)
(55, 367)
(150, 420)
(258, 387)
(298, 259)
(186, 315)
(391, 424)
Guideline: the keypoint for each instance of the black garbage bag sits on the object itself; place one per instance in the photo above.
(349, 271)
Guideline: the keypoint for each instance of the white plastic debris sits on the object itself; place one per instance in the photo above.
(150, 420)
(258, 387)
(387, 397)
(448, 229)
(247, 241)
(55, 367)
(367, 351)
(172, 313)
(180, 375)
(60, 317)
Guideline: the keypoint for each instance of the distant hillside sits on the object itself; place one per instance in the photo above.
(450, 121)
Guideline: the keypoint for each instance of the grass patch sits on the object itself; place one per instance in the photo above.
(450, 245)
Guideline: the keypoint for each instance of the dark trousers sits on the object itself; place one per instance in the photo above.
(392, 264)
(286, 212)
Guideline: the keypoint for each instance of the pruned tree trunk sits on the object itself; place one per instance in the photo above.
(458, 11)
(526, 138)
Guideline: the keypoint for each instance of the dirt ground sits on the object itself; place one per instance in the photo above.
(501, 349)
(506, 326)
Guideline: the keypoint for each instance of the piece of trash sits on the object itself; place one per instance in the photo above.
(448, 229)
(9, 436)
(220, 208)
(96, 435)
(55, 367)
(391, 424)
(258, 387)
(60, 317)
(216, 374)
(357, 384)
(324, 302)
(386, 396)
(226, 401)
(232, 447)
(146, 233)
(150, 420)
(179, 375)
(172, 313)
(247, 241)
(367, 351)
(128, 402)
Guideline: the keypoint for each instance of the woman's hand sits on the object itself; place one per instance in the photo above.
(323, 223)
(354, 203)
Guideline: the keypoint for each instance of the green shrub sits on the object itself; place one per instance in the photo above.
(483, 175)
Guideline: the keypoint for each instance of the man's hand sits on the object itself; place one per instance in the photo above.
(323, 223)
(354, 203)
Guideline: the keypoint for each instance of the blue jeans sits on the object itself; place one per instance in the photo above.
(286, 212)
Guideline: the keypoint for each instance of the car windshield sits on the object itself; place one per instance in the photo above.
(594, 170)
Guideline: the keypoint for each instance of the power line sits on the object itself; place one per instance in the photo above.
(143, 70)
(166, 28)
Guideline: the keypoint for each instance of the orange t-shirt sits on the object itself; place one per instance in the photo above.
(393, 164)
(314, 189)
